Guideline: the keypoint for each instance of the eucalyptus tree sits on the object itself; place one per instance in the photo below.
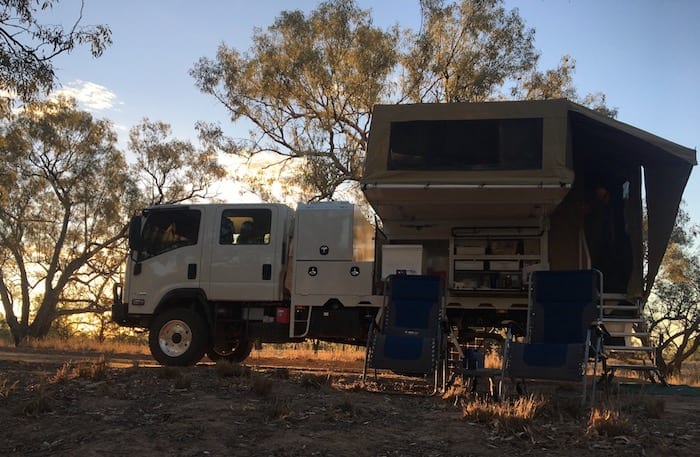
(169, 170)
(306, 88)
(673, 309)
(28, 47)
(466, 52)
(67, 193)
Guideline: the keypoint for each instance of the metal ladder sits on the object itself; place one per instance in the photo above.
(627, 345)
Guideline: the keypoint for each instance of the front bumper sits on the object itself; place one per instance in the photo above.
(120, 310)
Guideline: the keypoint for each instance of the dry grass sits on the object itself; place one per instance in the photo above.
(690, 376)
(316, 381)
(226, 369)
(506, 415)
(86, 344)
(279, 409)
(493, 360)
(169, 373)
(261, 385)
(608, 422)
(184, 382)
(96, 370)
(306, 351)
(40, 402)
(6, 387)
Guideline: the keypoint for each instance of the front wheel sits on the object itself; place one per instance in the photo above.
(235, 353)
(178, 337)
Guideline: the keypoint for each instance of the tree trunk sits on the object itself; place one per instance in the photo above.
(45, 316)
(19, 333)
(661, 363)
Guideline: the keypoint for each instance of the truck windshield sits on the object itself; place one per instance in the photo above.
(166, 230)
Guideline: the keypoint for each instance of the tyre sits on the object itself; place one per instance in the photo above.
(237, 353)
(178, 337)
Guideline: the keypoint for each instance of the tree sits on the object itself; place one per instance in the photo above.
(307, 89)
(308, 84)
(27, 48)
(70, 195)
(559, 83)
(673, 310)
(171, 170)
(466, 52)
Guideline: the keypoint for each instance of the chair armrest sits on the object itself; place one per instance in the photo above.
(598, 328)
(514, 327)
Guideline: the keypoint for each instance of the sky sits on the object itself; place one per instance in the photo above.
(644, 55)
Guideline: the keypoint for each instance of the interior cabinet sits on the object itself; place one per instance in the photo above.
(494, 261)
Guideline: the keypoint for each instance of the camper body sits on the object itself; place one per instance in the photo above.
(478, 194)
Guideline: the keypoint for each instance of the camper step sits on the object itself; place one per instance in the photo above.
(630, 348)
(621, 320)
(614, 296)
(632, 367)
(625, 306)
(630, 334)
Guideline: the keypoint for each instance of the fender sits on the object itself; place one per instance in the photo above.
(193, 298)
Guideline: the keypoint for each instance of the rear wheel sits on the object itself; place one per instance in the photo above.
(234, 353)
(178, 337)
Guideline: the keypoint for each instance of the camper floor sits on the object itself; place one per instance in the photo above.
(70, 404)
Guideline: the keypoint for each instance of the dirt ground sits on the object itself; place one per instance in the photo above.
(77, 404)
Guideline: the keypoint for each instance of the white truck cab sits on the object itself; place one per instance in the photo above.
(191, 257)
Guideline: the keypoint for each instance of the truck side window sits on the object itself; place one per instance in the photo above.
(245, 226)
(166, 230)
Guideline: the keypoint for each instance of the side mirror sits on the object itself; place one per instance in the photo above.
(135, 241)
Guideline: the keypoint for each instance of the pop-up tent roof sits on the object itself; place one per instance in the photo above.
(500, 160)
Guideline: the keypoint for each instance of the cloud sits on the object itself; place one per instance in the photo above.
(93, 97)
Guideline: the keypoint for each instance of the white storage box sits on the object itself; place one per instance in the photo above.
(531, 246)
(470, 250)
(402, 259)
(504, 247)
(469, 265)
(507, 265)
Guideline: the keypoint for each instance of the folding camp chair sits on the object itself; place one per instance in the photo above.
(561, 334)
(408, 335)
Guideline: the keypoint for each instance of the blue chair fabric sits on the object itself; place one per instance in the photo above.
(563, 305)
(407, 337)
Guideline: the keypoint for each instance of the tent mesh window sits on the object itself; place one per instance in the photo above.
(492, 144)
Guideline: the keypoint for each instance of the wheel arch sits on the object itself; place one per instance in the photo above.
(194, 299)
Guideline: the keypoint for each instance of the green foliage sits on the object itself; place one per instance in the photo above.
(466, 51)
(28, 47)
(170, 170)
(308, 84)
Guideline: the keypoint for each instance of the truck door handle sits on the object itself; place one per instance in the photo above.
(192, 271)
(267, 272)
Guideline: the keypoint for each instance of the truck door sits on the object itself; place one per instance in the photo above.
(246, 258)
(169, 258)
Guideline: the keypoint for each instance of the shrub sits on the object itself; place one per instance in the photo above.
(168, 373)
(39, 404)
(6, 387)
(609, 423)
(226, 369)
(261, 386)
